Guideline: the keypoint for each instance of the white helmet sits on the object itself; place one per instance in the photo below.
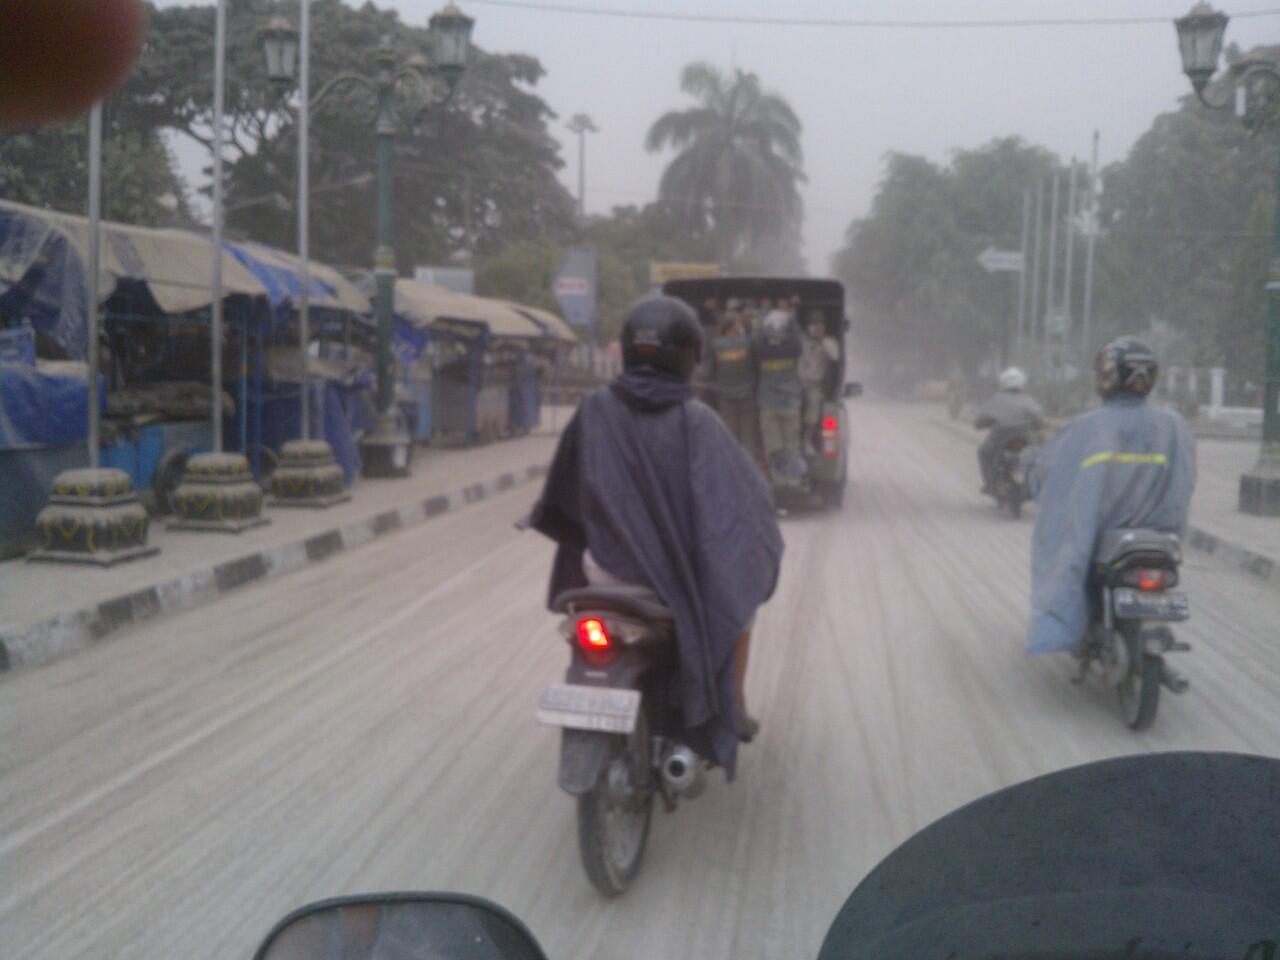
(776, 322)
(1012, 379)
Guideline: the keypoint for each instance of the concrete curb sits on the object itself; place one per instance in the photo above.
(47, 640)
(1247, 561)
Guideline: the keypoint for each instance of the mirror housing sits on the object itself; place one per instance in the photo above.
(852, 389)
(412, 926)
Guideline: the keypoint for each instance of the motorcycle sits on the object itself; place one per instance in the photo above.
(1009, 469)
(1156, 855)
(1008, 485)
(1132, 604)
(619, 715)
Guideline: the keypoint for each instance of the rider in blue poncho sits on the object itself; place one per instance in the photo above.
(1126, 464)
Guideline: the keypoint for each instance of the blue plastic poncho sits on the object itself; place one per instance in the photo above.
(1123, 465)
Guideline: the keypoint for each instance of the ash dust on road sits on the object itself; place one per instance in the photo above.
(366, 724)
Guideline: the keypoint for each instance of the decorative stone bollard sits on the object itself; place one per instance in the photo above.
(93, 516)
(308, 476)
(217, 493)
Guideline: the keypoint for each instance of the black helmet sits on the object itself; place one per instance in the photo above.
(663, 333)
(1125, 367)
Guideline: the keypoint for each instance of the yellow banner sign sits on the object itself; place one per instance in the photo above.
(660, 272)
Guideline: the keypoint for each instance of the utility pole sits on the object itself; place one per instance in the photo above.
(1033, 318)
(581, 125)
(95, 235)
(215, 322)
(1086, 318)
(1022, 274)
(1050, 305)
(1069, 239)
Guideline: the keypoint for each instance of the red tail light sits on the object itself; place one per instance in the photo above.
(830, 437)
(592, 635)
(1153, 579)
(1017, 443)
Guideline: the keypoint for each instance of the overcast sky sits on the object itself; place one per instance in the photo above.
(860, 92)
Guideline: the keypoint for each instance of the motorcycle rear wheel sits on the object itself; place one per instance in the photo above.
(1139, 691)
(612, 833)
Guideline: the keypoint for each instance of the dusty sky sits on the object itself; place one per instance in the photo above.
(860, 92)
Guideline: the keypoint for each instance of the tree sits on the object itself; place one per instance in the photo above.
(49, 167)
(468, 179)
(738, 164)
(922, 301)
(1186, 219)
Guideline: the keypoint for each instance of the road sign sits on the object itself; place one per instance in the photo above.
(1000, 261)
(572, 287)
(575, 286)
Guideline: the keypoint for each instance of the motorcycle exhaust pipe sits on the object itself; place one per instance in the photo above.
(682, 772)
(1173, 681)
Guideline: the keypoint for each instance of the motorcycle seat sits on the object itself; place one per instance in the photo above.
(631, 599)
(1115, 544)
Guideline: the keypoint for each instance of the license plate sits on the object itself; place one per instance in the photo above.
(1133, 604)
(608, 709)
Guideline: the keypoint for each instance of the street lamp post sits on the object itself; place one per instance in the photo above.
(1257, 99)
(433, 79)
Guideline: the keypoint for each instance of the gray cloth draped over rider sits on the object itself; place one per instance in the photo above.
(652, 481)
(1123, 465)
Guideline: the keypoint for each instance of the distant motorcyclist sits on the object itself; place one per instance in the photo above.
(734, 375)
(648, 486)
(1009, 411)
(1125, 464)
(779, 391)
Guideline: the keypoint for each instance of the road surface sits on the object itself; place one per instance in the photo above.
(366, 724)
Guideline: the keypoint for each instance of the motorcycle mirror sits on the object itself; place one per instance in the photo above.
(852, 389)
(401, 926)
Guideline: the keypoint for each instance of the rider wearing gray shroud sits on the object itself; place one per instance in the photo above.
(1125, 464)
(652, 482)
(1007, 412)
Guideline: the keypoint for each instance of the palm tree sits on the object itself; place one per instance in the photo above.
(738, 161)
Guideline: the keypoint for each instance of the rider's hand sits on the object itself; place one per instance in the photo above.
(59, 56)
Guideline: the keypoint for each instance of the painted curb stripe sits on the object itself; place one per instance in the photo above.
(64, 633)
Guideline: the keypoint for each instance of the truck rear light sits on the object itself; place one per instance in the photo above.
(830, 437)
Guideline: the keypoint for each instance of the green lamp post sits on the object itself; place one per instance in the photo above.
(1256, 99)
(409, 87)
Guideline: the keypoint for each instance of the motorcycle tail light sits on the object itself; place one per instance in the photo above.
(594, 640)
(1017, 443)
(829, 425)
(1151, 580)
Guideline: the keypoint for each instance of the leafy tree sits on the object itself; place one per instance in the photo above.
(1186, 220)
(922, 301)
(49, 167)
(467, 179)
(738, 164)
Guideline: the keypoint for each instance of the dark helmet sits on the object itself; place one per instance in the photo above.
(1125, 367)
(663, 333)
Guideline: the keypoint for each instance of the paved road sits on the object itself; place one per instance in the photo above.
(366, 724)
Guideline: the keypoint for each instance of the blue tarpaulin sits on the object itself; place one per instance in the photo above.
(42, 279)
(43, 408)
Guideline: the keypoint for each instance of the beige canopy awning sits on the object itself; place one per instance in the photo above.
(176, 266)
(556, 327)
(426, 305)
